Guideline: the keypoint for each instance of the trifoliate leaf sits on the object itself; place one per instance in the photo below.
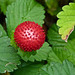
(67, 68)
(38, 55)
(4, 4)
(58, 53)
(54, 38)
(66, 20)
(8, 56)
(59, 50)
(2, 31)
(23, 10)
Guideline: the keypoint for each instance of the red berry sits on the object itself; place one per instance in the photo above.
(29, 36)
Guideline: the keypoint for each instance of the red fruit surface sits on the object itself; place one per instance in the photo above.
(29, 36)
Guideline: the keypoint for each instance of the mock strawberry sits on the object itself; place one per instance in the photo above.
(29, 36)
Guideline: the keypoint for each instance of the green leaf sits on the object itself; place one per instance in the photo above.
(2, 31)
(60, 49)
(70, 46)
(66, 20)
(67, 68)
(58, 55)
(4, 4)
(8, 56)
(30, 69)
(38, 55)
(54, 38)
(23, 10)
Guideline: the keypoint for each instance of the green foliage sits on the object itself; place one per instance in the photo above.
(4, 4)
(67, 68)
(60, 49)
(58, 55)
(70, 46)
(38, 55)
(29, 69)
(54, 38)
(23, 10)
(2, 31)
(30, 10)
(66, 20)
(8, 56)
